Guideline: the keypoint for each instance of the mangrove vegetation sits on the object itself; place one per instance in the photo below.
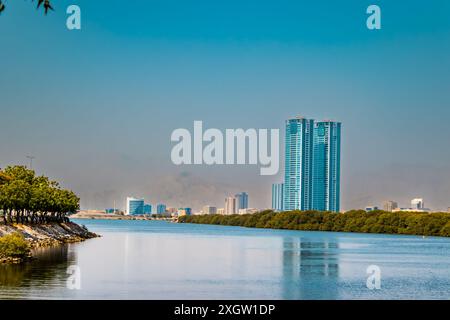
(411, 223)
(27, 198)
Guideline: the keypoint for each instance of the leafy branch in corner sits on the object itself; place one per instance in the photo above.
(44, 3)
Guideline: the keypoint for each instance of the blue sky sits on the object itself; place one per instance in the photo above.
(97, 106)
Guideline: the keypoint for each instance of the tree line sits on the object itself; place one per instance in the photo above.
(27, 198)
(412, 223)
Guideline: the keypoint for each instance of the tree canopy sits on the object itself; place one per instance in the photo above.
(27, 198)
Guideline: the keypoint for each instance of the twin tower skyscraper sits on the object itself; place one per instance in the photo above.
(312, 167)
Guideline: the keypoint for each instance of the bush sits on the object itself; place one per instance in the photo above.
(14, 246)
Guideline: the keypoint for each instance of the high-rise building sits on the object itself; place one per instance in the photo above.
(220, 210)
(417, 204)
(135, 206)
(298, 164)
(147, 209)
(390, 206)
(160, 208)
(312, 165)
(209, 210)
(241, 201)
(277, 196)
(230, 205)
(327, 166)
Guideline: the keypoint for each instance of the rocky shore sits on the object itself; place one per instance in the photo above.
(46, 235)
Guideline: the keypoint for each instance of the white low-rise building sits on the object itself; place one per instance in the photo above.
(248, 211)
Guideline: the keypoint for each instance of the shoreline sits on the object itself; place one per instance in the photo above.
(45, 235)
(118, 217)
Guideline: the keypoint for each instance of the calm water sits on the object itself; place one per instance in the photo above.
(160, 260)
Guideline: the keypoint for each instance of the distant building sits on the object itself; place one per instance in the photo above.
(135, 206)
(112, 211)
(241, 201)
(417, 204)
(369, 209)
(172, 210)
(230, 205)
(160, 208)
(147, 209)
(248, 211)
(209, 210)
(390, 206)
(277, 196)
(184, 212)
(221, 211)
(448, 209)
(424, 210)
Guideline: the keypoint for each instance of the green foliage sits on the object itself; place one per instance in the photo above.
(14, 246)
(413, 223)
(27, 198)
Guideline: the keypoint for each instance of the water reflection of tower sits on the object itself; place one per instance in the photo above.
(310, 268)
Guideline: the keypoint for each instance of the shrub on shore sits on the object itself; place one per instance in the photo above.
(412, 223)
(14, 246)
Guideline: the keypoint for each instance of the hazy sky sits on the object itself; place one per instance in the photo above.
(97, 106)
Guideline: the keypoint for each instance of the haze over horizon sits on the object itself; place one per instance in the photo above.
(96, 107)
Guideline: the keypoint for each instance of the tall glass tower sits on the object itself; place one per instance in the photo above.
(241, 201)
(277, 196)
(327, 164)
(298, 164)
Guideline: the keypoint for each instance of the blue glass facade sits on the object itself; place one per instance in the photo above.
(277, 196)
(147, 209)
(161, 208)
(135, 206)
(298, 164)
(327, 164)
(241, 200)
(312, 166)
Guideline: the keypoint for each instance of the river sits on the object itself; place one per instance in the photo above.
(163, 260)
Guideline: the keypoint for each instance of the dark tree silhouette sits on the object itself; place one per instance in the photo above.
(45, 4)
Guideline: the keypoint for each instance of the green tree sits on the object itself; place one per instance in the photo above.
(26, 198)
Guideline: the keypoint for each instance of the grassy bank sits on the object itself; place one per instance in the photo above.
(433, 224)
(14, 248)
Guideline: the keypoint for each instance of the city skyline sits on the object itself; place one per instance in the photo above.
(116, 89)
